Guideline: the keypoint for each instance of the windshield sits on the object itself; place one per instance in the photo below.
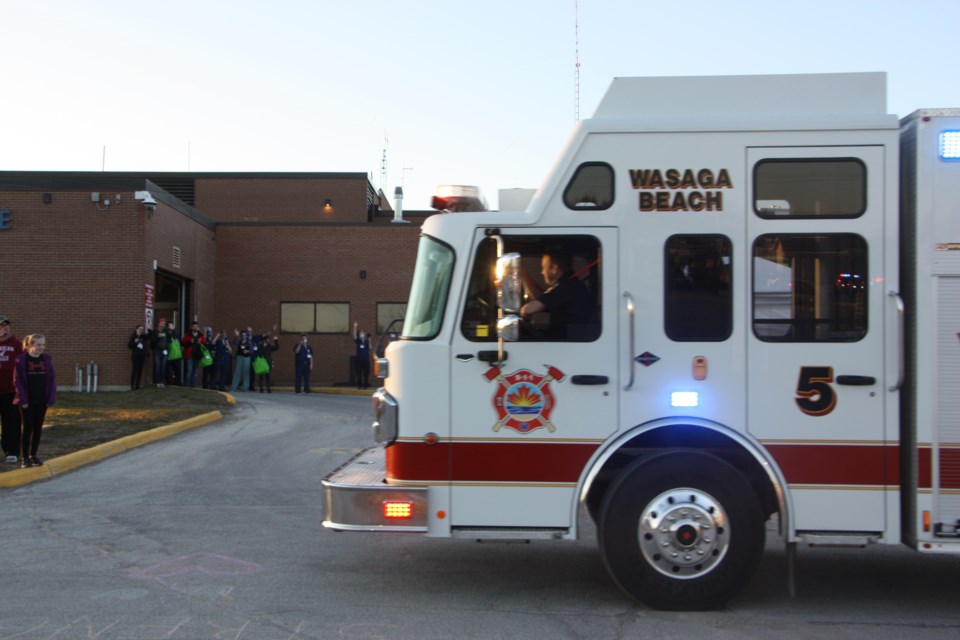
(428, 295)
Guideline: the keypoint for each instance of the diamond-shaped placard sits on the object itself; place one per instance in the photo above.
(646, 358)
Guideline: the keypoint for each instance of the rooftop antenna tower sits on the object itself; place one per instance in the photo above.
(576, 66)
(383, 163)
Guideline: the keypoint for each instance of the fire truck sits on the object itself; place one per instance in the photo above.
(769, 331)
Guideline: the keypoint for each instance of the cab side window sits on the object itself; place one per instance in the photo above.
(810, 188)
(570, 294)
(698, 305)
(810, 287)
(590, 188)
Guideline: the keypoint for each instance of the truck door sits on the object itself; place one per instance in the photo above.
(531, 423)
(816, 383)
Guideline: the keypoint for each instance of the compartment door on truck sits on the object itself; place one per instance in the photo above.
(816, 385)
(532, 423)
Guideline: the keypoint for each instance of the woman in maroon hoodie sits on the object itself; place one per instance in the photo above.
(36, 389)
(10, 348)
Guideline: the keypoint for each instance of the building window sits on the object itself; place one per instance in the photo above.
(698, 294)
(810, 188)
(590, 188)
(810, 288)
(389, 312)
(315, 317)
(333, 317)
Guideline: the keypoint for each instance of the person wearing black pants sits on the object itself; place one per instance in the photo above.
(222, 359)
(208, 375)
(10, 349)
(266, 349)
(303, 364)
(160, 344)
(361, 359)
(138, 355)
(36, 386)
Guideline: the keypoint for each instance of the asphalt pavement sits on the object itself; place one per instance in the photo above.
(216, 534)
(69, 462)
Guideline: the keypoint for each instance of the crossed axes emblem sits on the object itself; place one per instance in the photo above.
(495, 374)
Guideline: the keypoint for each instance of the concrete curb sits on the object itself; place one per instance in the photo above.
(71, 461)
(337, 391)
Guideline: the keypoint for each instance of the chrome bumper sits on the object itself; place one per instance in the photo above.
(355, 493)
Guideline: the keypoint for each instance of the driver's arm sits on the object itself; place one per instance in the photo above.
(531, 308)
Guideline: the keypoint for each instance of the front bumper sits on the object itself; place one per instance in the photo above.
(355, 494)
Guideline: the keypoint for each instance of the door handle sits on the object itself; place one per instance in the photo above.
(465, 357)
(901, 340)
(857, 381)
(631, 310)
(589, 379)
(490, 356)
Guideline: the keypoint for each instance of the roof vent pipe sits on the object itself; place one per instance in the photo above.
(398, 212)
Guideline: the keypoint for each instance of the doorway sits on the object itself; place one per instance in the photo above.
(172, 303)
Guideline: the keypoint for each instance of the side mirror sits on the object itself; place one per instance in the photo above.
(508, 328)
(509, 285)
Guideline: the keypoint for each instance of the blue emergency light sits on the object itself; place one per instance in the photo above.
(950, 145)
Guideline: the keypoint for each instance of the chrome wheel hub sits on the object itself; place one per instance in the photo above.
(683, 533)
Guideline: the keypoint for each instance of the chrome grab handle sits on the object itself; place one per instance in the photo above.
(901, 341)
(631, 312)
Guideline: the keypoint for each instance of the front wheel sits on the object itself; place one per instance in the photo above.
(681, 530)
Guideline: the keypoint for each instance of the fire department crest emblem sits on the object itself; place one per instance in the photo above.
(523, 399)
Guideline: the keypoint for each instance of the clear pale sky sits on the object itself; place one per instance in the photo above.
(478, 93)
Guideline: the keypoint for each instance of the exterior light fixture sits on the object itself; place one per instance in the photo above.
(327, 205)
(149, 204)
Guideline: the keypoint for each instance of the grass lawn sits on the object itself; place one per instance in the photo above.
(82, 420)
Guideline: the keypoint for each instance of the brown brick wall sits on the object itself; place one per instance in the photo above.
(283, 199)
(77, 274)
(167, 229)
(69, 271)
(258, 268)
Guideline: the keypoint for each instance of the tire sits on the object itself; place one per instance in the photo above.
(681, 530)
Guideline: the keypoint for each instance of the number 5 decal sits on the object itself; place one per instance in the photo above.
(815, 396)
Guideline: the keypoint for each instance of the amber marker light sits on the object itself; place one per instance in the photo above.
(926, 522)
(395, 510)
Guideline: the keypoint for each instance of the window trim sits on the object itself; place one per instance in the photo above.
(778, 160)
(446, 302)
(753, 292)
(576, 172)
(667, 289)
(313, 330)
(377, 312)
(544, 239)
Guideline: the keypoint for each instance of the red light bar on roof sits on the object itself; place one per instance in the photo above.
(456, 197)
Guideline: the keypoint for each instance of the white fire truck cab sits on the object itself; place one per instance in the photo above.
(750, 306)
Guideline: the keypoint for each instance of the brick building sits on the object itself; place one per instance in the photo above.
(84, 255)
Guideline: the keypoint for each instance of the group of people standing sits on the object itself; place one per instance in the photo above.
(205, 355)
(28, 386)
(248, 355)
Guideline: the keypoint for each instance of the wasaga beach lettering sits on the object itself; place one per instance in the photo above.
(654, 184)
